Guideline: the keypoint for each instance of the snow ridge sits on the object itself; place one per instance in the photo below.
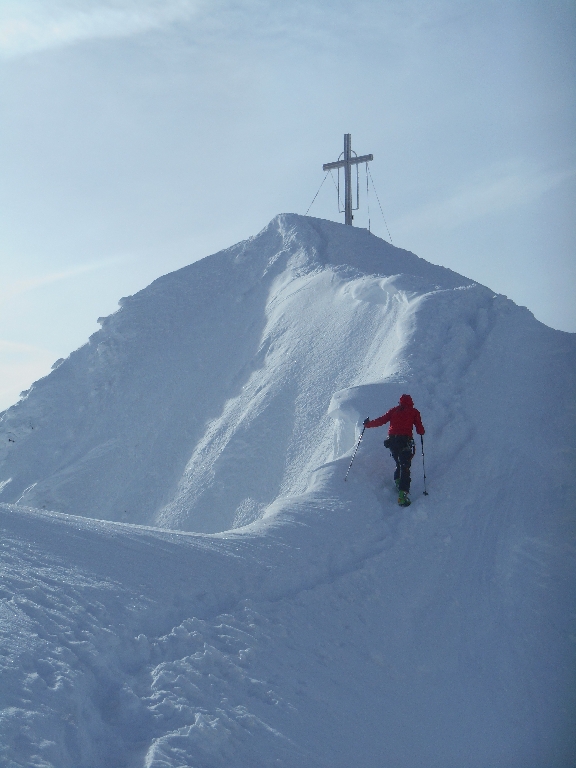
(188, 386)
(186, 578)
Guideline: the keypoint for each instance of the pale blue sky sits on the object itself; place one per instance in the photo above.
(137, 137)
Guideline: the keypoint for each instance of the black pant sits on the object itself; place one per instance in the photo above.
(402, 450)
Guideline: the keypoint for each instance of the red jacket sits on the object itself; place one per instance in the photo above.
(402, 418)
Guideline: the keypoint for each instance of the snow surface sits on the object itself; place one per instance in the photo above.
(188, 581)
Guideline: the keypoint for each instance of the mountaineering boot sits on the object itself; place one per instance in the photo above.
(403, 499)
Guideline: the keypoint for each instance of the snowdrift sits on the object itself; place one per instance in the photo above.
(206, 395)
(189, 582)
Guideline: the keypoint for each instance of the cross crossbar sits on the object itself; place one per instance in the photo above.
(352, 161)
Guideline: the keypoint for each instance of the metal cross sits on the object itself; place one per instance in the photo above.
(347, 164)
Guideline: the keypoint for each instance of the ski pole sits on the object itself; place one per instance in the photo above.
(354, 454)
(423, 467)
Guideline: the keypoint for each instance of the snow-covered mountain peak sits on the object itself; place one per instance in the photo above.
(289, 618)
(181, 401)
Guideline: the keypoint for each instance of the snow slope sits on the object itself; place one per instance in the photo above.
(187, 580)
(216, 369)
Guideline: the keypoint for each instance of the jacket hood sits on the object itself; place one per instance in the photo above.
(406, 400)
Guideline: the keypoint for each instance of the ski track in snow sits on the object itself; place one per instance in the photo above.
(279, 616)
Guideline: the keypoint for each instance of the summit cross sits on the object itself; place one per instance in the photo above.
(347, 164)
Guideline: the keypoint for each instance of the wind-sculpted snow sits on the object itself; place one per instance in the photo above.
(271, 614)
(212, 372)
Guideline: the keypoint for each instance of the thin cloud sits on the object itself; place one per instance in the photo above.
(42, 24)
(501, 190)
(36, 25)
(17, 350)
(10, 290)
